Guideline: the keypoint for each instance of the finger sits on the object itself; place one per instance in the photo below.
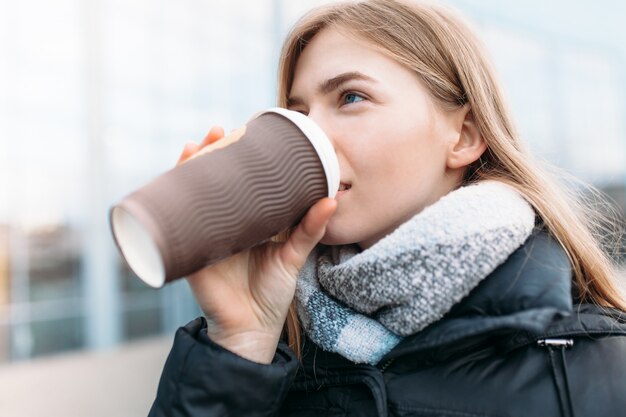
(308, 233)
(188, 150)
(215, 134)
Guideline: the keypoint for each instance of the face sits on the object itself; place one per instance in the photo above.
(391, 138)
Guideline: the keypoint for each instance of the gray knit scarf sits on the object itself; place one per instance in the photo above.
(361, 304)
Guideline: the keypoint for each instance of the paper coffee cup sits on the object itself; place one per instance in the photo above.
(226, 200)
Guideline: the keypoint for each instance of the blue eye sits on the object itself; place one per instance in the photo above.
(350, 98)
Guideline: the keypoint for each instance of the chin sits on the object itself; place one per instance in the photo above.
(334, 241)
(335, 237)
(342, 235)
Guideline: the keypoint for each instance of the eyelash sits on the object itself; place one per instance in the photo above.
(344, 93)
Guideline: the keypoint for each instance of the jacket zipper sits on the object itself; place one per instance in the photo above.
(386, 365)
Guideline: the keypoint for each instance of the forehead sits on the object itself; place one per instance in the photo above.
(332, 43)
(333, 51)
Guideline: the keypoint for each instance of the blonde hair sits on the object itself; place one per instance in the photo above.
(450, 61)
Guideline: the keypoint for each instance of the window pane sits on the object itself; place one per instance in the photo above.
(141, 323)
(52, 336)
(54, 263)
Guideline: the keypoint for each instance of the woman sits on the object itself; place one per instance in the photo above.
(423, 288)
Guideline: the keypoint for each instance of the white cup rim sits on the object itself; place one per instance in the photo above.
(138, 245)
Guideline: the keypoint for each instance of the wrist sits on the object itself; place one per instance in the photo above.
(254, 346)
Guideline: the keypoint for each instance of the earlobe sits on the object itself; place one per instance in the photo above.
(469, 146)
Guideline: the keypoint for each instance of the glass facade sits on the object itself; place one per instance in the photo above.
(97, 97)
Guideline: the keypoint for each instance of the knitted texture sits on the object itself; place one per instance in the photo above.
(361, 304)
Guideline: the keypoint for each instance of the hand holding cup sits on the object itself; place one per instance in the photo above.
(246, 296)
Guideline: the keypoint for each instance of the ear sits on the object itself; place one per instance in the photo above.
(469, 145)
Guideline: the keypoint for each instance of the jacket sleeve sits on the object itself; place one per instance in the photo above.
(200, 378)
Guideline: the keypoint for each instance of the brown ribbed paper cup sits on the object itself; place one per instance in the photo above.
(226, 200)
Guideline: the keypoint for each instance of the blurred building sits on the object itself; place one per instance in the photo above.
(97, 97)
(5, 289)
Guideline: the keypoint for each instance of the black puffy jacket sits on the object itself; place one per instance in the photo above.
(516, 346)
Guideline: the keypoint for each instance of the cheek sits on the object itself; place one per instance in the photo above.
(404, 172)
(421, 149)
(386, 149)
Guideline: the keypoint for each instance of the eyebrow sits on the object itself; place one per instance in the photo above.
(334, 83)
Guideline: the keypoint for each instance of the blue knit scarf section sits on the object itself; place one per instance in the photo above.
(361, 304)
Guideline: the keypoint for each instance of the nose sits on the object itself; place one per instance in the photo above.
(316, 116)
(323, 121)
(331, 129)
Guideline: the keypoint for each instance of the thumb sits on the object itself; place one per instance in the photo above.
(308, 233)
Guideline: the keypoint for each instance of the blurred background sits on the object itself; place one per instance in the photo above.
(99, 96)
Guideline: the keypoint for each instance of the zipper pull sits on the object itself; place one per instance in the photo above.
(556, 343)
